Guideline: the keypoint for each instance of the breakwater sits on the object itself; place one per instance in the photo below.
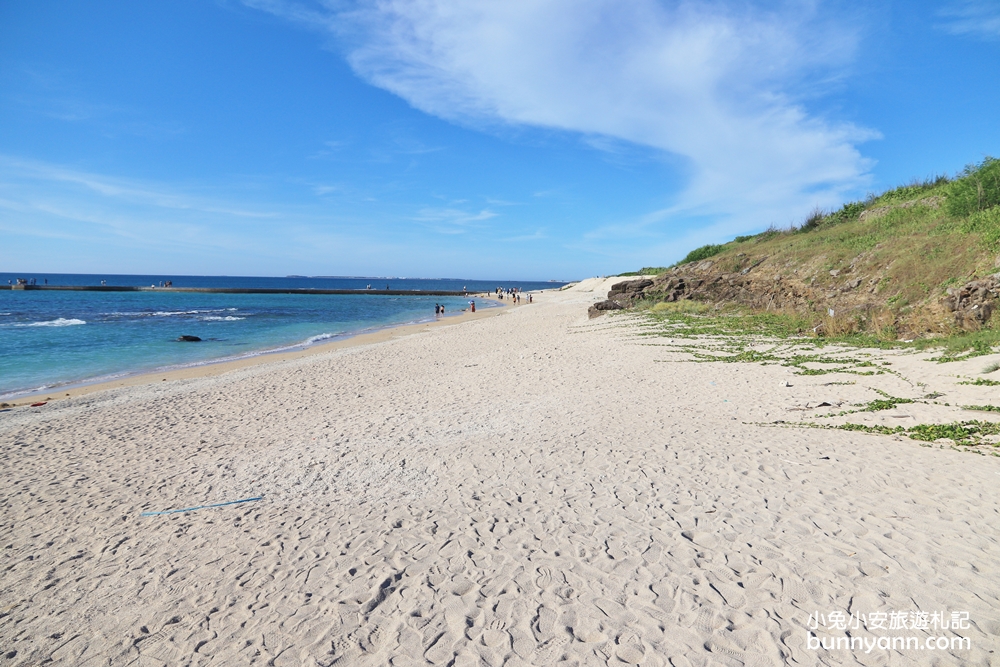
(231, 290)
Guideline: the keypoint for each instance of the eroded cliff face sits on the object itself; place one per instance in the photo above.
(762, 287)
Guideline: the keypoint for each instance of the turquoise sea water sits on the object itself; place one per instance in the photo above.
(51, 338)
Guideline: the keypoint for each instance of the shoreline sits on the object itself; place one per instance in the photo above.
(219, 367)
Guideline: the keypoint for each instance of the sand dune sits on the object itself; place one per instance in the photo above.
(531, 488)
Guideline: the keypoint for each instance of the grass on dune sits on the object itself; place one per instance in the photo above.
(906, 247)
(688, 319)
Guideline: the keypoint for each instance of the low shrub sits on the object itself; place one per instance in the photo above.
(704, 252)
(977, 189)
(986, 224)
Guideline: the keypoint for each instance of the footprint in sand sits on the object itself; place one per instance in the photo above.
(409, 641)
(523, 643)
(440, 652)
(708, 621)
(495, 635)
(615, 611)
(794, 645)
(653, 554)
(630, 648)
(547, 618)
(725, 647)
(730, 593)
(549, 652)
(616, 550)
(377, 639)
(345, 650)
(462, 586)
(588, 631)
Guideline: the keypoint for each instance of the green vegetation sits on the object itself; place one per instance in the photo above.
(976, 190)
(983, 408)
(884, 403)
(887, 262)
(985, 224)
(968, 204)
(702, 253)
(690, 319)
(962, 433)
(647, 271)
(982, 382)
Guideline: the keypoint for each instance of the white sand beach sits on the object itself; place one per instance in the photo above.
(525, 488)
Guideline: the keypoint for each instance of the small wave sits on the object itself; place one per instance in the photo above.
(167, 313)
(61, 322)
(216, 318)
(320, 337)
(172, 313)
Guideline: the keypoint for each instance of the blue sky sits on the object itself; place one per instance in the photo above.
(555, 139)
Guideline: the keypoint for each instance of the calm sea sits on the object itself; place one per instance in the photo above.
(50, 338)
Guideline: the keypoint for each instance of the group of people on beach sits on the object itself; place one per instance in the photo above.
(513, 293)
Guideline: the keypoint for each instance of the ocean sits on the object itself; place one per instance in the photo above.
(50, 339)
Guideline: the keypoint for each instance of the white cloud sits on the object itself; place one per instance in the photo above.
(452, 220)
(119, 189)
(972, 17)
(721, 84)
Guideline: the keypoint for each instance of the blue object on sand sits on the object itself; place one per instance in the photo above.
(201, 507)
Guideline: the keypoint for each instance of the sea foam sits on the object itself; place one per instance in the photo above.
(61, 322)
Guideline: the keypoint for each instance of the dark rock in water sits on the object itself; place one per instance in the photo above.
(189, 339)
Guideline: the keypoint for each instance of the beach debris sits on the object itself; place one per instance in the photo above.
(188, 339)
(201, 507)
(39, 404)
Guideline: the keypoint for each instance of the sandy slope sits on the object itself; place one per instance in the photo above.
(526, 489)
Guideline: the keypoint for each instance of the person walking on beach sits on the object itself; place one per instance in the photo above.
(472, 304)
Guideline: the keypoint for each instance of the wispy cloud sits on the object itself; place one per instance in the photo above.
(720, 84)
(452, 220)
(154, 227)
(121, 190)
(972, 17)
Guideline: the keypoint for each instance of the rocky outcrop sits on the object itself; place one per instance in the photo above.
(622, 295)
(974, 302)
(760, 287)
